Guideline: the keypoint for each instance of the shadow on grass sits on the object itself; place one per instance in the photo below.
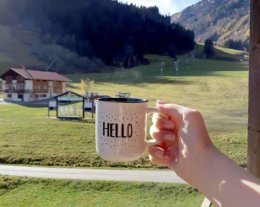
(213, 70)
(155, 80)
(151, 74)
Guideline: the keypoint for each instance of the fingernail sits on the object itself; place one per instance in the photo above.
(160, 102)
(159, 154)
(170, 137)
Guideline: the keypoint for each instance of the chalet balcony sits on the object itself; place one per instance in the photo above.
(17, 88)
(17, 91)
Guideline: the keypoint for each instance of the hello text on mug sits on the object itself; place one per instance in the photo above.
(117, 130)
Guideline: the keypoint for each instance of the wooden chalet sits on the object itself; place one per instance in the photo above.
(22, 85)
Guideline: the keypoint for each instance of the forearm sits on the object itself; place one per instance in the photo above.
(198, 162)
(224, 182)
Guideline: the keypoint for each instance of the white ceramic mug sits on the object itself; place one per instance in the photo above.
(121, 126)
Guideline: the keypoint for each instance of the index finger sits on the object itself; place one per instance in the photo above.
(161, 122)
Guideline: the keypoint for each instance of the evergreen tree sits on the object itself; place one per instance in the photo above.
(208, 48)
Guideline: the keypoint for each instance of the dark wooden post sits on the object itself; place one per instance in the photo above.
(57, 108)
(254, 91)
(83, 108)
(92, 108)
(49, 109)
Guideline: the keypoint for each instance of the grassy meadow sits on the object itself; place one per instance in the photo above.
(216, 88)
(19, 192)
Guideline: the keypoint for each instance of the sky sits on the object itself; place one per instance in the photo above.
(166, 7)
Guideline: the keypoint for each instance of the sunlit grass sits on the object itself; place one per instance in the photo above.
(17, 192)
(231, 51)
(216, 88)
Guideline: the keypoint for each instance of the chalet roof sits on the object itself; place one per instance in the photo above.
(68, 93)
(40, 75)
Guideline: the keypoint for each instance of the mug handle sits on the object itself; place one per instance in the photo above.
(152, 110)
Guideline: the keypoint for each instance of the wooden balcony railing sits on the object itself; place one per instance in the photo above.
(17, 91)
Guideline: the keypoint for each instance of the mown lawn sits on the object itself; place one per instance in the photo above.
(217, 88)
(23, 192)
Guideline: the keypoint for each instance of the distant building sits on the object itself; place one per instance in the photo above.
(22, 85)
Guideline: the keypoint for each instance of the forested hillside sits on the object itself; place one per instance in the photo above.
(87, 35)
(224, 21)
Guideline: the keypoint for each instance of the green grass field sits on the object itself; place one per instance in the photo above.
(23, 192)
(216, 88)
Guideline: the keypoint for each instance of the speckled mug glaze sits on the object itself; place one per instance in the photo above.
(121, 125)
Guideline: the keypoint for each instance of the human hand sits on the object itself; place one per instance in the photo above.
(184, 146)
(183, 139)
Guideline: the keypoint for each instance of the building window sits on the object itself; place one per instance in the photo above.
(20, 86)
(20, 96)
(9, 79)
(8, 88)
(57, 87)
(20, 79)
(37, 87)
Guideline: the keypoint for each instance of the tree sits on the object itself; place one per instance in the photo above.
(100, 29)
(209, 48)
(237, 44)
(172, 51)
(86, 85)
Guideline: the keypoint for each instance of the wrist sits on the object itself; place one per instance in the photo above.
(203, 164)
(193, 168)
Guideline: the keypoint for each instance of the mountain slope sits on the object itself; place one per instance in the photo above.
(85, 35)
(220, 20)
(15, 48)
(22, 47)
